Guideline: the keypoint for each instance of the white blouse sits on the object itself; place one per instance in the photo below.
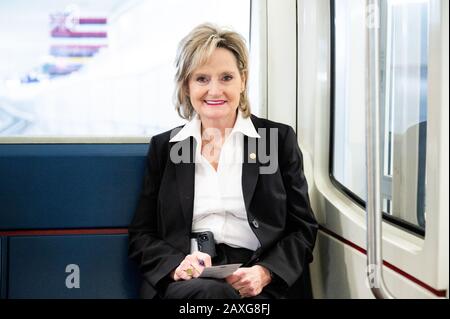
(219, 204)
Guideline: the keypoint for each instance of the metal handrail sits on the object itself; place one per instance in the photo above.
(373, 210)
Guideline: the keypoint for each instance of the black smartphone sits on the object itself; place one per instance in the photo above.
(205, 242)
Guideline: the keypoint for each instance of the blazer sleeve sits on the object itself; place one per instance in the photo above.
(288, 257)
(155, 257)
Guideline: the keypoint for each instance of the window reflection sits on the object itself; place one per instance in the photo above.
(404, 93)
(404, 76)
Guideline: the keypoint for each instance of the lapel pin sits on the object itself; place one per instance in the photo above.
(252, 156)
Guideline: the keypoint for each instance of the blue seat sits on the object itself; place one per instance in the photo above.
(71, 266)
(2, 273)
(69, 186)
(64, 187)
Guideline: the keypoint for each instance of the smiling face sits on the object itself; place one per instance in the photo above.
(214, 88)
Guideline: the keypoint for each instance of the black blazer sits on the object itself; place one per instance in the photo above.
(278, 207)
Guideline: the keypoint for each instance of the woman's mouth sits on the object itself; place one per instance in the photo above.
(215, 102)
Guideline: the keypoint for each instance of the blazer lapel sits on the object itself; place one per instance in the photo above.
(250, 170)
(185, 179)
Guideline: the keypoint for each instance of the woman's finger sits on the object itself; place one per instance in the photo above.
(194, 264)
(184, 270)
(203, 258)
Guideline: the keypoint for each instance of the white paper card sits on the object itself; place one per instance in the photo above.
(219, 272)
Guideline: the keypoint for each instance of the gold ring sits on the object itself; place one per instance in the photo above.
(189, 271)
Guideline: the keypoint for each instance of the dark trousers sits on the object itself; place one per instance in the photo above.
(210, 288)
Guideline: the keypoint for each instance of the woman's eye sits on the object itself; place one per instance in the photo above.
(227, 78)
(202, 79)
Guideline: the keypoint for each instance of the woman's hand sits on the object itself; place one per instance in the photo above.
(191, 266)
(249, 282)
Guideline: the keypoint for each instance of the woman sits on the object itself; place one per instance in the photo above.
(234, 178)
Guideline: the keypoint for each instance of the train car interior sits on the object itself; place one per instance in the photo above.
(84, 85)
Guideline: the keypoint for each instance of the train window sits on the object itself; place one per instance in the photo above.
(403, 94)
(97, 68)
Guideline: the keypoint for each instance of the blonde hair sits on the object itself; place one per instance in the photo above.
(194, 50)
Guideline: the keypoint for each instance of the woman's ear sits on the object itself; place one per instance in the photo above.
(244, 79)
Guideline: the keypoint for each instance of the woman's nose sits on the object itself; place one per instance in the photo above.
(215, 88)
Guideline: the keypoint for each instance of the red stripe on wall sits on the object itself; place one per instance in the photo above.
(438, 293)
(48, 232)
